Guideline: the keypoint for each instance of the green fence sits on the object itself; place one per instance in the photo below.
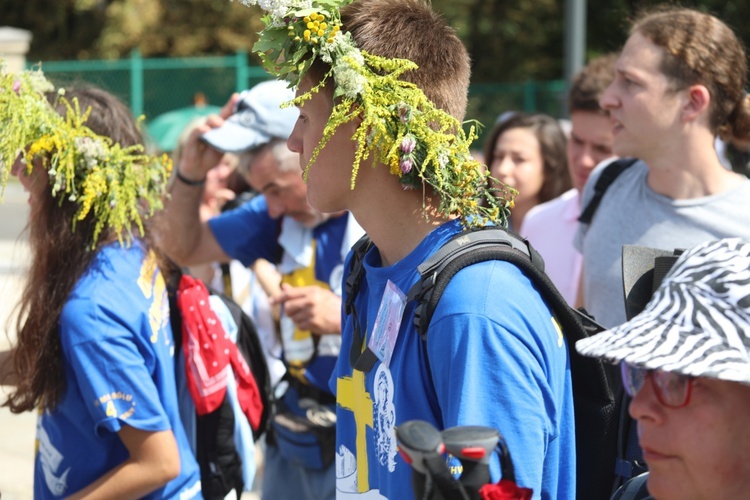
(153, 86)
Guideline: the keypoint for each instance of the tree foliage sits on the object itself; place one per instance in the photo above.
(509, 40)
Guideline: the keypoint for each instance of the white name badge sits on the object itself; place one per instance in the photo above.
(387, 323)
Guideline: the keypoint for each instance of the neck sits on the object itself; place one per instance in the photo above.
(519, 211)
(690, 169)
(394, 219)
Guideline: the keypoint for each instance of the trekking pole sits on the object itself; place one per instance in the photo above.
(421, 445)
(473, 445)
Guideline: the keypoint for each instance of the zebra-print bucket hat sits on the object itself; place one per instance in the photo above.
(698, 321)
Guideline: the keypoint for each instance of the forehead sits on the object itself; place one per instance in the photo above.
(319, 100)
(639, 55)
(518, 138)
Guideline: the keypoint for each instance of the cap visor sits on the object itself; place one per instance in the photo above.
(234, 138)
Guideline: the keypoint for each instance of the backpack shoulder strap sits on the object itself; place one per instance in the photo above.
(356, 271)
(359, 359)
(491, 244)
(607, 177)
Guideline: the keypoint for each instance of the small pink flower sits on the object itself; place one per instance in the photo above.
(16, 86)
(408, 143)
(405, 165)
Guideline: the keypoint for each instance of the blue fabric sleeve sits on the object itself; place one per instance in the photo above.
(247, 233)
(112, 366)
(492, 367)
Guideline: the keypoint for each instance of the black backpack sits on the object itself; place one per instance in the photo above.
(220, 463)
(607, 177)
(596, 407)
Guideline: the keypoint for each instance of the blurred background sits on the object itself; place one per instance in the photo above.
(167, 55)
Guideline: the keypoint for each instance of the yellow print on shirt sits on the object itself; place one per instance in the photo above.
(152, 284)
(353, 396)
(108, 400)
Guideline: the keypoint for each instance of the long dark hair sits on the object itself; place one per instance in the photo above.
(60, 256)
(552, 143)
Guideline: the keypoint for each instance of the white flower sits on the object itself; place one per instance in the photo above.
(442, 160)
(39, 82)
(92, 150)
(349, 81)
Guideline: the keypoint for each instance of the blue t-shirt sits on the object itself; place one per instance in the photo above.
(119, 370)
(247, 234)
(493, 357)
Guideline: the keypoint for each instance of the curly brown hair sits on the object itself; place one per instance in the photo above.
(60, 256)
(701, 49)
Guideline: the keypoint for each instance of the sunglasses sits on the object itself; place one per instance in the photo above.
(671, 389)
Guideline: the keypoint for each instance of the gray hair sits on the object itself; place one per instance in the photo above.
(287, 160)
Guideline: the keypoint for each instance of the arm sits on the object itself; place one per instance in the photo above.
(311, 308)
(183, 236)
(270, 281)
(497, 360)
(154, 461)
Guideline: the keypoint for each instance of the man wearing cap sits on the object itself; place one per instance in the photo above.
(309, 249)
(685, 361)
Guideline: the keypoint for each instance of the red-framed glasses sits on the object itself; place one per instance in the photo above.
(672, 389)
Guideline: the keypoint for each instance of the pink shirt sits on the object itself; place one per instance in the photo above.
(551, 227)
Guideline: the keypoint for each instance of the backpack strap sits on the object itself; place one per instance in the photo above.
(362, 360)
(482, 245)
(607, 177)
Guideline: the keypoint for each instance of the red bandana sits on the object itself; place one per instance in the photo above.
(208, 350)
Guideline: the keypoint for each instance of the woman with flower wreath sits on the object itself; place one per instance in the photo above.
(381, 87)
(94, 348)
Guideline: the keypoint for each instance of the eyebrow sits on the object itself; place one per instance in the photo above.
(268, 186)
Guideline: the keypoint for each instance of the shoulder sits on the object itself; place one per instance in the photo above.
(497, 290)
(117, 282)
(633, 171)
(256, 207)
(550, 211)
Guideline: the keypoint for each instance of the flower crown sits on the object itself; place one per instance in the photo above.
(400, 126)
(115, 183)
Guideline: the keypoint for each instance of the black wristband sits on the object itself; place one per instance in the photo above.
(187, 181)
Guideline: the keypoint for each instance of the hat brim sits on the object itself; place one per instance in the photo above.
(650, 343)
(232, 137)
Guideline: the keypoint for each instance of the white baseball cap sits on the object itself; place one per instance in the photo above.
(258, 118)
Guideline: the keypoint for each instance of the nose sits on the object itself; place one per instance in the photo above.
(275, 208)
(586, 159)
(645, 405)
(294, 143)
(608, 100)
(505, 167)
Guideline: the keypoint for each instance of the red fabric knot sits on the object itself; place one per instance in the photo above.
(504, 490)
(206, 366)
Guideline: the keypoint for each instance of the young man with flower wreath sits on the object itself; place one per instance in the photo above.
(309, 248)
(382, 87)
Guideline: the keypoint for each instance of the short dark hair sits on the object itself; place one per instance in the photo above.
(589, 84)
(410, 29)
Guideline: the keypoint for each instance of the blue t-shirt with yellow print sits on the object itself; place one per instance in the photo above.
(493, 357)
(247, 234)
(119, 370)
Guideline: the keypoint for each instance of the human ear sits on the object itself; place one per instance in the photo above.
(697, 103)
